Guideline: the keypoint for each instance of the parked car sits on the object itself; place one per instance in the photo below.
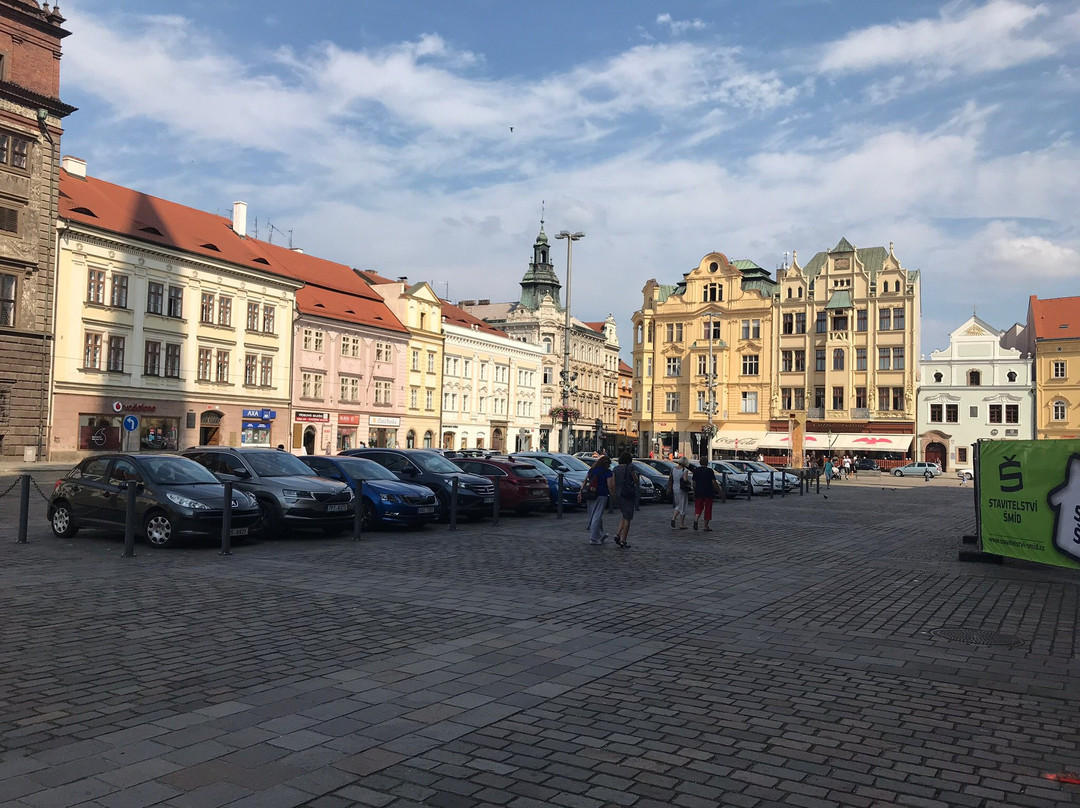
(572, 468)
(780, 477)
(570, 490)
(867, 464)
(288, 496)
(747, 478)
(657, 482)
(663, 466)
(919, 468)
(423, 466)
(522, 488)
(586, 456)
(176, 498)
(384, 499)
(966, 472)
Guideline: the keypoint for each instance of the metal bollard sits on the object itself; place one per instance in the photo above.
(749, 487)
(723, 487)
(818, 491)
(129, 519)
(558, 498)
(802, 480)
(495, 503)
(226, 521)
(358, 512)
(772, 484)
(453, 503)
(24, 508)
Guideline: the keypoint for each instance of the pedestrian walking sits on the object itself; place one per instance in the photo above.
(596, 489)
(704, 489)
(682, 485)
(625, 486)
(830, 469)
(847, 466)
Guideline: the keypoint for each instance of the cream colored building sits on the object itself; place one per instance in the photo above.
(1053, 337)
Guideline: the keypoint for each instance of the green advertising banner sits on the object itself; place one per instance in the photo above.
(1029, 500)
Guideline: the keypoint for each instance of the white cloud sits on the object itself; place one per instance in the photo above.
(679, 27)
(1030, 256)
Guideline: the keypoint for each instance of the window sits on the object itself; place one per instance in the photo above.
(382, 392)
(703, 365)
(674, 366)
(788, 321)
(224, 316)
(172, 361)
(701, 401)
(92, 351)
(1059, 369)
(449, 402)
(711, 330)
(821, 324)
(885, 320)
(713, 293)
(309, 340)
(800, 398)
(819, 398)
(1011, 375)
(952, 411)
(1012, 413)
(898, 400)
(384, 352)
(14, 150)
(800, 361)
(995, 414)
(116, 354)
(860, 359)
(176, 301)
(749, 402)
(961, 454)
(800, 322)
(204, 368)
(785, 395)
(266, 371)
(838, 398)
(253, 317)
(1059, 410)
(860, 320)
(674, 332)
(898, 358)
(671, 402)
(884, 358)
(349, 388)
(95, 286)
(973, 411)
(549, 374)
(152, 358)
(751, 329)
(119, 299)
(819, 359)
(898, 319)
(547, 343)
(311, 385)
(450, 366)
(936, 413)
(750, 365)
(430, 362)
(206, 308)
(938, 377)
(838, 361)
(414, 362)
(839, 322)
(974, 378)
(786, 362)
(414, 398)
(860, 398)
(155, 297)
(251, 368)
(222, 366)
(269, 313)
(7, 300)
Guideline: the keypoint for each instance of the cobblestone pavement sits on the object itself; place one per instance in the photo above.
(786, 658)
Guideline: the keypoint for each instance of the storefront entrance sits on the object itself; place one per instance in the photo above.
(210, 428)
(309, 440)
(937, 453)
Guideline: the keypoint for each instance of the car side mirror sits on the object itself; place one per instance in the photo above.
(409, 471)
(242, 473)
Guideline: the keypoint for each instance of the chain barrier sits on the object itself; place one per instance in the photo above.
(11, 487)
(33, 484)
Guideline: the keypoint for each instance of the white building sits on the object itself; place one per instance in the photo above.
(976, 388)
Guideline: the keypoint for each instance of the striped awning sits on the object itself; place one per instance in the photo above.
(841, 442)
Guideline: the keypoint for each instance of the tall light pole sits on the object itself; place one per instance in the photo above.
(567, 379)
(711, 384)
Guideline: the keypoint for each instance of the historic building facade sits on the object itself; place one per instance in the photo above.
(1053, 338)
(625, 437)
(491, 386)
(30, 115)
(539, 318)
(976, 388)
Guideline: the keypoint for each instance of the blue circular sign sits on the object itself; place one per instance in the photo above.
(131, 423)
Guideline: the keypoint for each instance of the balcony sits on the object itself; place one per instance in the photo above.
(815, 412)
(860, 413)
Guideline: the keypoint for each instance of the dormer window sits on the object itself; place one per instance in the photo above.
(974, 378)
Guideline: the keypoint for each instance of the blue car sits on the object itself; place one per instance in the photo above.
(386, 499)
(571, 483)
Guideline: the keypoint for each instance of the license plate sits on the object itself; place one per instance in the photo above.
(337, 508)
(539, 493)
(426, 509)
(488, 500)
(238, 531)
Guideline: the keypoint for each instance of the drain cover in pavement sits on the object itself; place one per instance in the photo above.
(976, 637)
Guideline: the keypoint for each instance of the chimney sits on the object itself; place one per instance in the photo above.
(239, 218)
(484, 301)
(403, 278)
(74, 166)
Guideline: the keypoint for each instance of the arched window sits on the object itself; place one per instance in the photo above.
(547, 344)
(974, 378)
(1012, 376)
(543, 256)
(652, 333)
(428, 437)
(464, 441)
(789, 292)
(1059, 410)
(938, 377)
(800, 292)
(410, 439)
(423, 319)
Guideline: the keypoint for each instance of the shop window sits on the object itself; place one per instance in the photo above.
(100, 433)
(159, 434)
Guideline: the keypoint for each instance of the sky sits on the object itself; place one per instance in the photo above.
(423, 138)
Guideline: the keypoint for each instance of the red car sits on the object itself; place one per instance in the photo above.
(522, 487)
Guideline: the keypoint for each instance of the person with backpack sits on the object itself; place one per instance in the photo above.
(625, 485)
(596, 489)
(705, 486)
(681, 487)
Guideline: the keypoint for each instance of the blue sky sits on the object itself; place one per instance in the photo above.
(379, 133)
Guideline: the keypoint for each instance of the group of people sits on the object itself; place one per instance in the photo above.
(620, 485)
(836, 468)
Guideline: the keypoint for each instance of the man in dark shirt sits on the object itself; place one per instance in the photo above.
(704, 488)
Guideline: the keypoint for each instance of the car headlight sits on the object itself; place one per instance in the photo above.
(389, 497)
(292, 496)
(187, 502)
(352, 494)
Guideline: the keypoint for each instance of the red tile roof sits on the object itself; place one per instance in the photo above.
(331, 289)
(625, 369)
(596, 326)
(459, 317)
(1056, 318)
(373, 277)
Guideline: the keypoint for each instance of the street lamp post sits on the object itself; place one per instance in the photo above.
(711, 384)
(567, 378)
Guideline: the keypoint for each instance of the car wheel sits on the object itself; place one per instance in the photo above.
(367, 516)
(269, 523)
(897, 473)
(63, 525)
(158, 530)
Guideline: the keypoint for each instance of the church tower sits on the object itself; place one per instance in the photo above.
(540, 279)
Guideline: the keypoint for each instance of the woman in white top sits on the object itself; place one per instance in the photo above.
(680, 495)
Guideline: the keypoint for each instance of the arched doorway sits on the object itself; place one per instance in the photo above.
(937, 453)
(210, 428)
(448, 440)
(309, 440)
(429, 439)
(496, 439)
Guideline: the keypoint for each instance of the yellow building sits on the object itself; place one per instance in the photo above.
(420, 309)
(1053, 328)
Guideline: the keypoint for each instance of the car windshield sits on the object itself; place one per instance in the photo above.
(572, 462)
(168, 470)
(271, 463)
(360, 469)
(542, 470)
(433, 463)
(725, 467)
(526, 471)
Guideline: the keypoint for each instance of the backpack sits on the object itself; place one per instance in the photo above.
(627, 485)
(592, 484)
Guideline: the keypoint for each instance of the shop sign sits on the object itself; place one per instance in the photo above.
(383, 420)
(256, 425)
(1029, 499)
(260, 415)
(316, 417)
(348, 420)
(120, 406)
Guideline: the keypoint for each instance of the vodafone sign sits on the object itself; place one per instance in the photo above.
(120, 406)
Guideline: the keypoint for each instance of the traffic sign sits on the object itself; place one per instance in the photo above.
(131, 423)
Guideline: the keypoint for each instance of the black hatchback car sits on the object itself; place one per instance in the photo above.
(176, 498)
